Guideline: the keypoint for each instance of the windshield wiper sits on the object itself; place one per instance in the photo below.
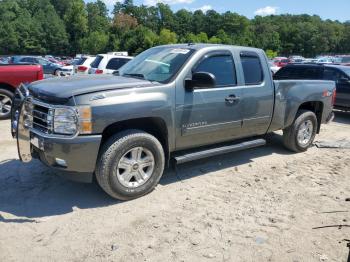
(139, 76)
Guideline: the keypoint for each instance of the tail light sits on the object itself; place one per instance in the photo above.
(334, 96)
(99, 71)
(82, 68)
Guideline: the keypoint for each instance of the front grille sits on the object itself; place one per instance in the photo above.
(42, 117)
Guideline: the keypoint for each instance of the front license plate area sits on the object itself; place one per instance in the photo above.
(37, 142)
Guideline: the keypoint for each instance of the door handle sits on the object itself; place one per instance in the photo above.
(232, 99)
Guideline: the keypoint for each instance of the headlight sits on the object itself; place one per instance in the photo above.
(70, 120)
(65, 121)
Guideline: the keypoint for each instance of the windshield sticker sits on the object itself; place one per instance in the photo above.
(180, 51)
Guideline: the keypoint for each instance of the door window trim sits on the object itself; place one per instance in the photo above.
(254, 55)
(213, 54)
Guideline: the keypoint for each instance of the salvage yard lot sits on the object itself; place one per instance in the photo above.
(257, 205)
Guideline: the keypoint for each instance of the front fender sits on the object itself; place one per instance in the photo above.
(121, 105)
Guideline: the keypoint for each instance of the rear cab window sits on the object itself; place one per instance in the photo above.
(252, 68)
(221, 65)
(97, 61)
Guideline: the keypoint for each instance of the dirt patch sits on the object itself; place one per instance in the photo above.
(264, 204)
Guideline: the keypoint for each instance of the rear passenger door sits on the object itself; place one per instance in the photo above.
(257, 94)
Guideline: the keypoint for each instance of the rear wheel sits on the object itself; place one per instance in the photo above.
(300, 135)
(5, 103)
(130, 164)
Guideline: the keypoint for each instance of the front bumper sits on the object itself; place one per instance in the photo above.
(77, 155)
(74, 158)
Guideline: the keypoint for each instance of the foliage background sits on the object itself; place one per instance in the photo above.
(64, 27)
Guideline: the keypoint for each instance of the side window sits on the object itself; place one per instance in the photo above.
(329, 74)
(283, 73)
(252, 69)
(222, 67)
(26, 60)
(116, 63)
(312, 73)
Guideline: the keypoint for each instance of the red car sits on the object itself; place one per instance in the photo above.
(281, 61)
(11, 76)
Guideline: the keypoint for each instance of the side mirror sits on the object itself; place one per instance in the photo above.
(200, 80)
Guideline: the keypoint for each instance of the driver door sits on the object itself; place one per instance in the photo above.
(210, 115)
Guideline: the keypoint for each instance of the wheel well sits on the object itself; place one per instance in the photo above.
(7, 87)
(152, 125)
(317, 108)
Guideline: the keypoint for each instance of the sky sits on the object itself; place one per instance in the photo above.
(326, 9)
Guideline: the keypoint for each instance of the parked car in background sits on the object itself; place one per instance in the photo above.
(11, 76)
(338, 73)
(68, 70)
(48, 67)
(342, 60)
(324, 60)
(281, 61)
(274, 68)
(108, 63)
(4, 60)
(55, 61)
(296, 59)
(310, 60)
(173, 103)
(83, 64)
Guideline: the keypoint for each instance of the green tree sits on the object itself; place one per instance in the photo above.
(76, 24)
(97, 15)
(94, 43)
(167, 37)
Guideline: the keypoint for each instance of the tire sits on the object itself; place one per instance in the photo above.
(122, 146)
(55, 73)
(290, 135)
(5, 104)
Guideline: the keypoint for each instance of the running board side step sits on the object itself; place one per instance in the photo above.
(219, 151)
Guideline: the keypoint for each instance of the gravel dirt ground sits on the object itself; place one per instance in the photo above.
(263, 204)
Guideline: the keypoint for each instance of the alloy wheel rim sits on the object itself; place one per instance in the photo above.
(135, 167)
(305, 132)
(5, 105)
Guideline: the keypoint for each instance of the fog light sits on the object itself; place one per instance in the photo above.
(61, 162)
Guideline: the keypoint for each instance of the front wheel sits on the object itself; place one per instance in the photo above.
(130, 164)
(300, 135)
(5, 103)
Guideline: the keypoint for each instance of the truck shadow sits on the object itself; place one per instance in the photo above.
(217, 163)
(342, 117)
(32, 191)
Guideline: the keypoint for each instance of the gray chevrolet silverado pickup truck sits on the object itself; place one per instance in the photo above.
(173, 103)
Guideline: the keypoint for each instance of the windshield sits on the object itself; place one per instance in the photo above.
(158, 64)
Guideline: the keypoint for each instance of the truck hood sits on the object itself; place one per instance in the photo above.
(60, 89)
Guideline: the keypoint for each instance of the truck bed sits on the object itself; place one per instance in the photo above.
(291, 93)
